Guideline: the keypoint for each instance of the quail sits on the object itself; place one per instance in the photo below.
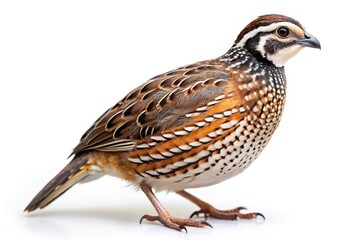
(194, 126)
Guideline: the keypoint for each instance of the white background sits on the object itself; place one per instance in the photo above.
(63, 63)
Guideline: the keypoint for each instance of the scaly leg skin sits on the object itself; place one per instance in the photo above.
(164, 216)
(209, 211)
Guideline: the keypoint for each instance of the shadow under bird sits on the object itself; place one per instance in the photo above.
(194, 126)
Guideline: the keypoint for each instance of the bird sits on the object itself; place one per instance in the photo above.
(191, 127)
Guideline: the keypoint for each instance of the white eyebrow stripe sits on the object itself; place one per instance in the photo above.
(267, 28)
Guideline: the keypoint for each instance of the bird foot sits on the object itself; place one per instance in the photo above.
(176, 223)
(232, 214)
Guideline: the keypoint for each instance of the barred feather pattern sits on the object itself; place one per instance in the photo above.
(189, 127)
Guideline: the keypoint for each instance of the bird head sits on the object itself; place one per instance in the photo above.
(275, 38)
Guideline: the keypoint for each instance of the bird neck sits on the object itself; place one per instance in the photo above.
(240, 54)
(240, 59)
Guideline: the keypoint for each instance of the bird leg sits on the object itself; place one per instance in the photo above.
(209, 211)
(164, 216)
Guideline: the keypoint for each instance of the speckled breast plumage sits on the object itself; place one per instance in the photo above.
(225, 111)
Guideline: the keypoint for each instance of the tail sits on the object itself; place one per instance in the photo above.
(77, 170)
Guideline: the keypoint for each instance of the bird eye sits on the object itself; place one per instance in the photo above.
(282, 32)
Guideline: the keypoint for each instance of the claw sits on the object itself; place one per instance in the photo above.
(149, 218)
(241, 208)
(207, 224)
(142, 218)
(259, 215)
(197, 213)
(182, 227)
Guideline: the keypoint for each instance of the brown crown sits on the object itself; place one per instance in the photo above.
(264, 21)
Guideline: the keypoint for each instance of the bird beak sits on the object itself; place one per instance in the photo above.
(309, 41)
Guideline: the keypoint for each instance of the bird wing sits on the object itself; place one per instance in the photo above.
(162, 103)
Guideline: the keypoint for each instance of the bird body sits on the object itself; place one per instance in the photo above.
(194, 126)
(217, 139)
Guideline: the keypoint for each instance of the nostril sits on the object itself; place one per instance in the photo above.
(307, 35)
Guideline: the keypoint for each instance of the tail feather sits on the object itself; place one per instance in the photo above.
(74, 172)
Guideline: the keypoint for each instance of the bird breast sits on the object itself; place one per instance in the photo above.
(212, 149)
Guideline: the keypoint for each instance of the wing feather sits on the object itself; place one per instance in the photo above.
(162, 103)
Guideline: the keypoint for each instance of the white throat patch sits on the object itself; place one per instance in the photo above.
(282, 56)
